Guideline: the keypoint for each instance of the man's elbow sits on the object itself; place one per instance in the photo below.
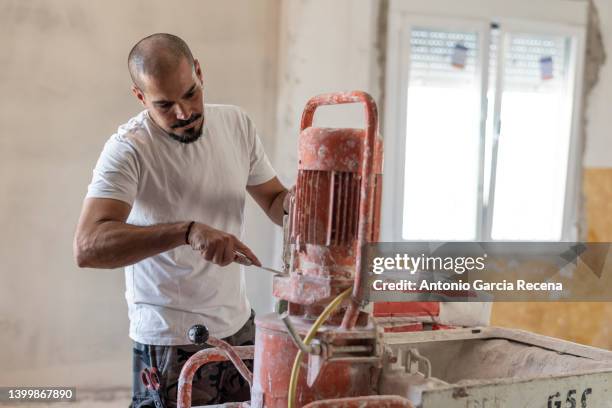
(82, 261)
(81, 252)
(276, 211)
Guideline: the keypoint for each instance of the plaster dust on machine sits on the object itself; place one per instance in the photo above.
(325, 351)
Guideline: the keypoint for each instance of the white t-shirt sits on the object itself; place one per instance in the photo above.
(168, 181)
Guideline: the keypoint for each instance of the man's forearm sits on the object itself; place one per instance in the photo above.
(113, 244)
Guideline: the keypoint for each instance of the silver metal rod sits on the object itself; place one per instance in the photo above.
(297, 340)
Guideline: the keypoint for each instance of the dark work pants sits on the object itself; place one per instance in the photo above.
(213, 383)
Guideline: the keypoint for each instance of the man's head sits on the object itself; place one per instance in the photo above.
(168, 81)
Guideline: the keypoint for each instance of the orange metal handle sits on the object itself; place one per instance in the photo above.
(221, 351)
(339, 98)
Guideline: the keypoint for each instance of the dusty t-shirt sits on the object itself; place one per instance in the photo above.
(168, 181)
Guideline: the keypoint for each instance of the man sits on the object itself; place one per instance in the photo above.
(166, 202)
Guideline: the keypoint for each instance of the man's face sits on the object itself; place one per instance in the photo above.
(175, 101)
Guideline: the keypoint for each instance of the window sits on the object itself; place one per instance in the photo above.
(441, 170)
(528, 186)
(481, 129)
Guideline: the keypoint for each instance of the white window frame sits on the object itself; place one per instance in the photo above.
(566, 18)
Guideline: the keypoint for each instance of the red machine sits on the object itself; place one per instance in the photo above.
(336, 212)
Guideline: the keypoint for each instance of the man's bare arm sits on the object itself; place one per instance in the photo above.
(103, 239)
(271, 198)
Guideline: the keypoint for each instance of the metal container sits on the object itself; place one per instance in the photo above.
(493, 367)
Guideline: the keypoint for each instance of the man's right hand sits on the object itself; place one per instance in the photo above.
(217, 246)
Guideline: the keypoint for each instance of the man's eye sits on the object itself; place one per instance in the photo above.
(165, 106)
(190, 95)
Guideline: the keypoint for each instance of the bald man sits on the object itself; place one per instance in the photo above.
(167, 203)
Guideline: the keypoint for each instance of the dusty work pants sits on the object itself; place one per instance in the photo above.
(213, 383)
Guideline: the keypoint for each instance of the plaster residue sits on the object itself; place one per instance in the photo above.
(595, 57)
(381, 56)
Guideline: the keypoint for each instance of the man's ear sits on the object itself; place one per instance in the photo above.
(138, 94)
(198, 70)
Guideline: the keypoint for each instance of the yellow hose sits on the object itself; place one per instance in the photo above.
(309, 336)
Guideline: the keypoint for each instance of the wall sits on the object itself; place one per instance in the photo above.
(65, 89)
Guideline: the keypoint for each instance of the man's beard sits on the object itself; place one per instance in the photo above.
(189, 135)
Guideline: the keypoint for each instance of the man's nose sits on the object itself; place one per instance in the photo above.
(182, 112)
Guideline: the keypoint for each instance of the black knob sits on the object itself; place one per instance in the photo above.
(198, 334)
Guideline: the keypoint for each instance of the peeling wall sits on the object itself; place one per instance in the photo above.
(599, 75)
(65, 90)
